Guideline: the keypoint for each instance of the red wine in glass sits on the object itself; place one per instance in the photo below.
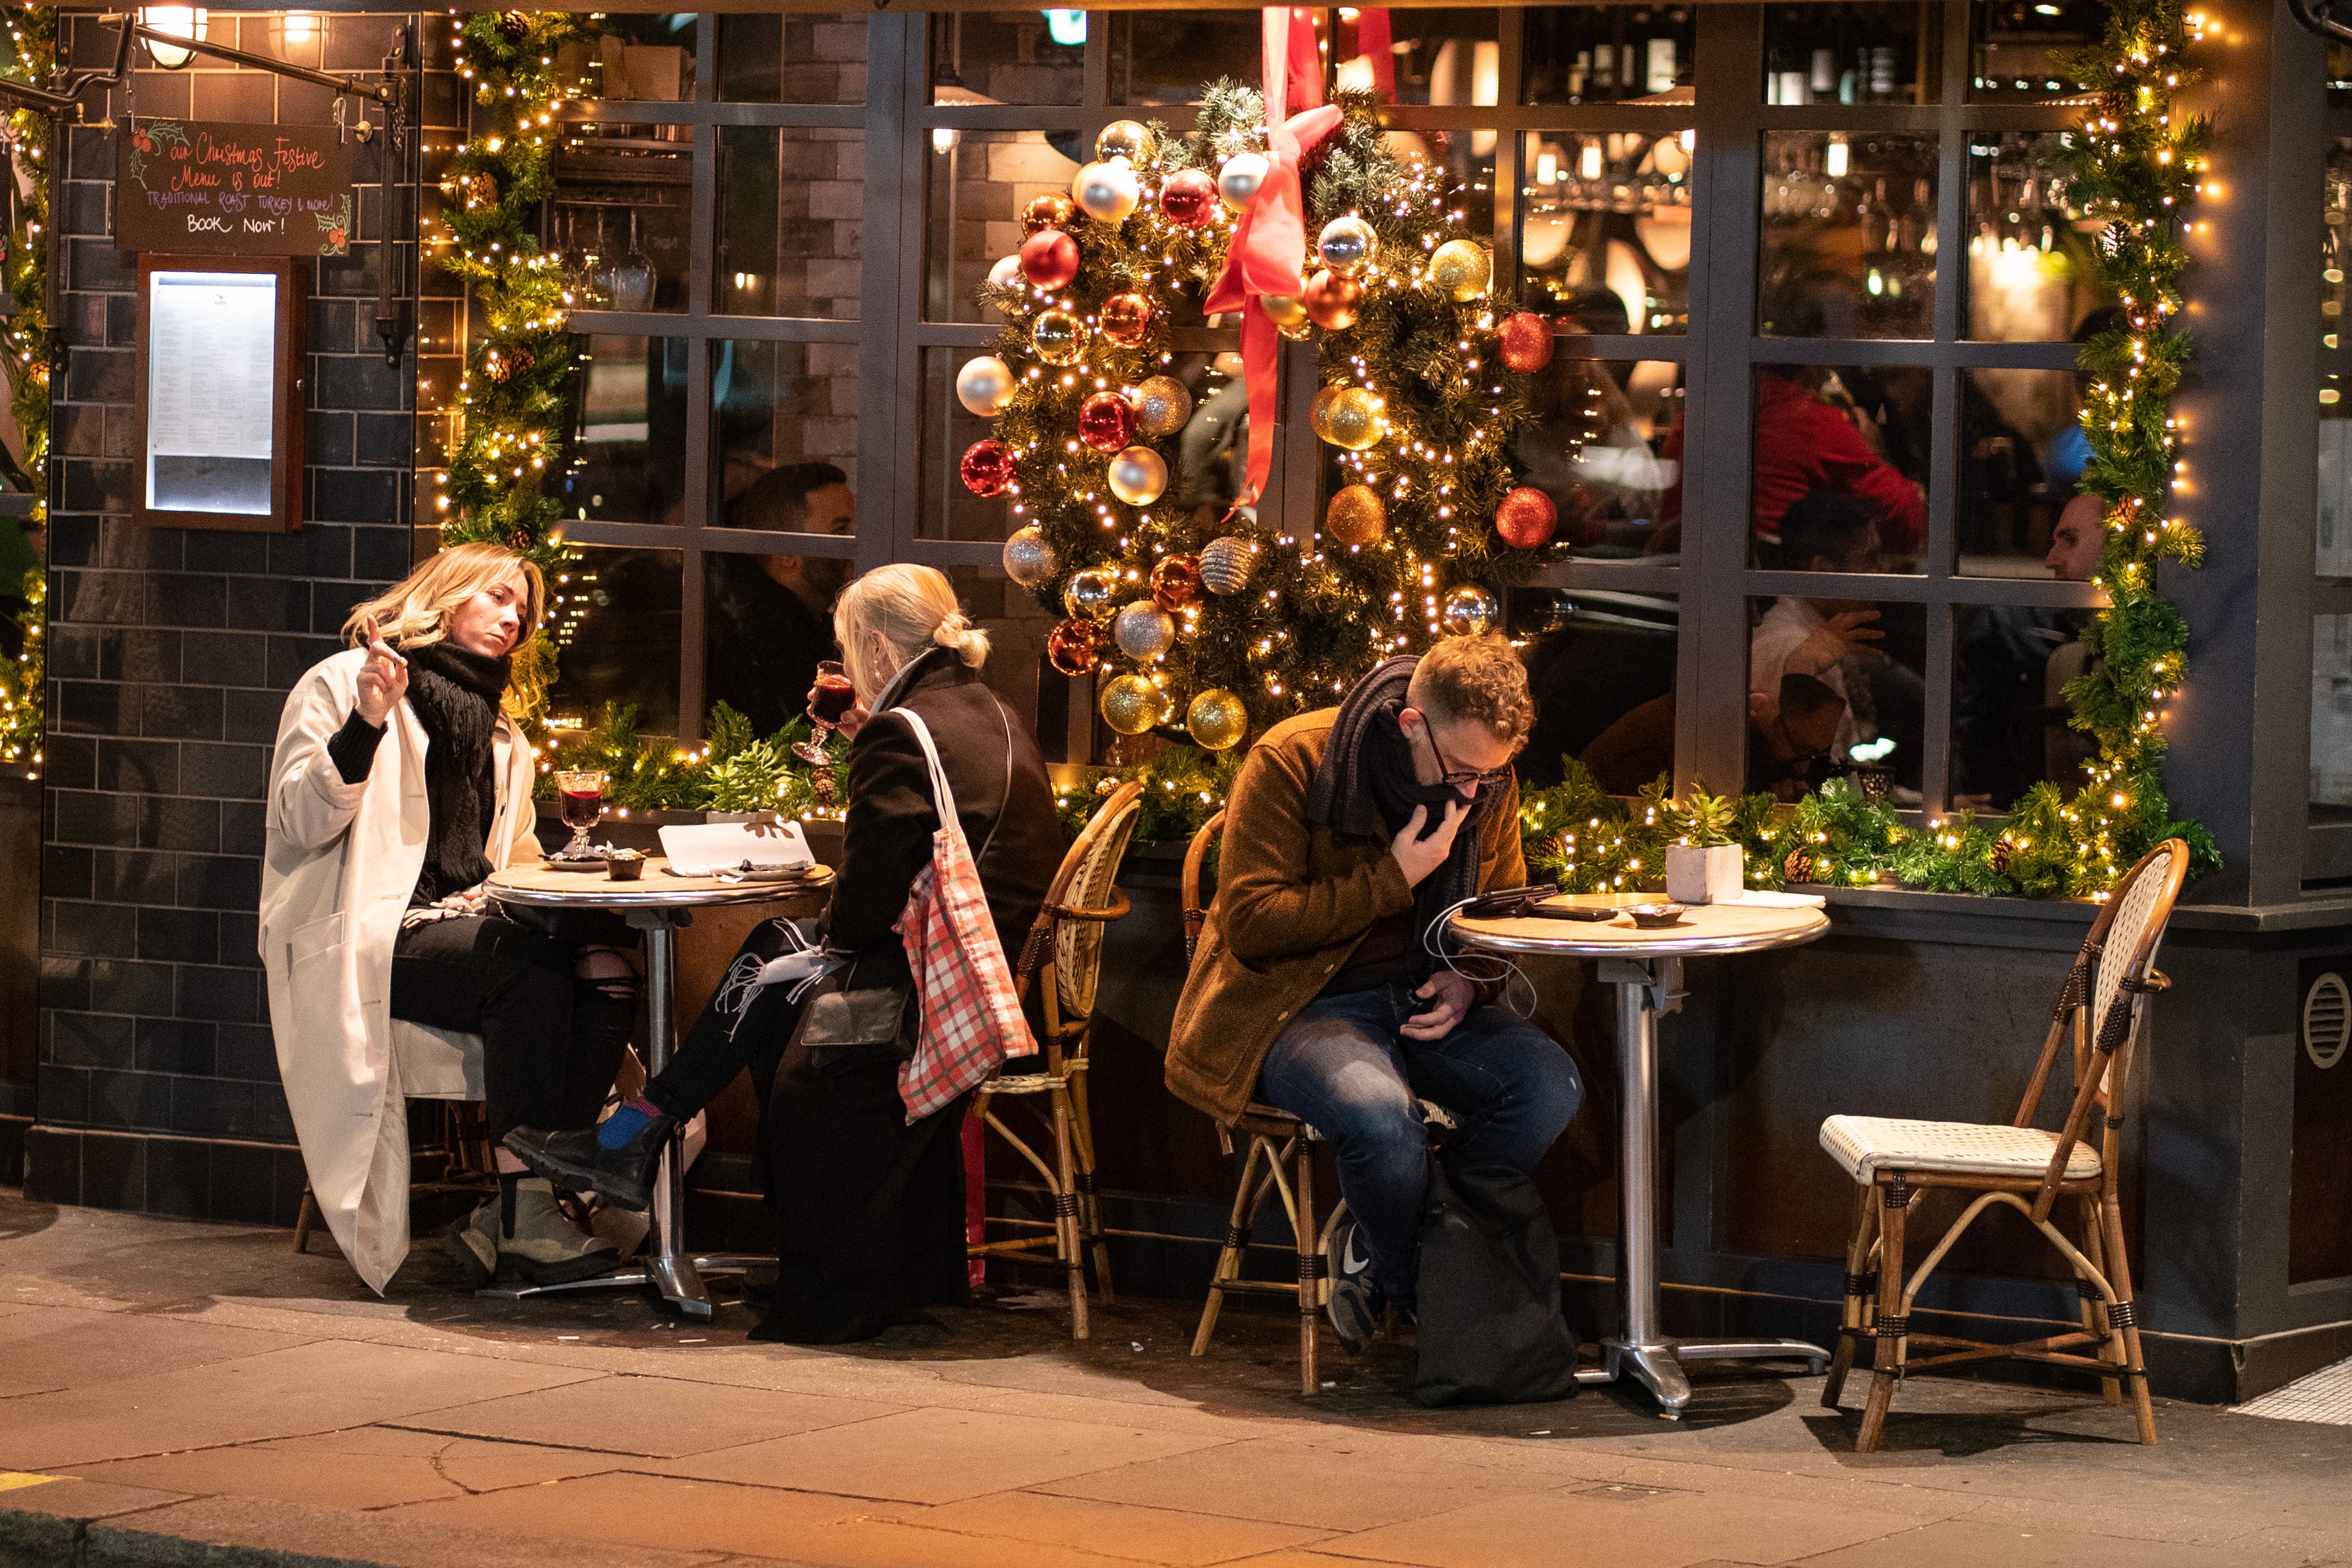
(834, 695)
(833, 698)
(581, 795)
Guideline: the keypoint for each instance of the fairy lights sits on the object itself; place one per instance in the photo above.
(30, 56)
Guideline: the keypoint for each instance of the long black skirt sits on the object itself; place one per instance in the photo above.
(869, 1211)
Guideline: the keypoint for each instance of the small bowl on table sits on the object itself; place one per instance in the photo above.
(1655, 916)
(625, 865)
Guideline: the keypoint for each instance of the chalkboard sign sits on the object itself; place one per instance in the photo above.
(206, 188)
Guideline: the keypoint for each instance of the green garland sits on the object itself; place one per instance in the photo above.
(731, 771)
(30, 56)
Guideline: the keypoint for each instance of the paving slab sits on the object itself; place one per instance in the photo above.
(1186, 1537)
(657, 1416)
(43, 1518)
(67, 1355)
(1965, 1544)
(645, 1513)
(310, 1388)
(934, 1456)
(371, 1466)
(266, 1532)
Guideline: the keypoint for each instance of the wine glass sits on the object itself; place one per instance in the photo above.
(582, 793)
(833, 697)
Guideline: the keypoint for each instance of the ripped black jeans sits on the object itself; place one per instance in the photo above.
(551, 1039)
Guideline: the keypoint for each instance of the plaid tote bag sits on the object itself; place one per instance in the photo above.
(971, 1011)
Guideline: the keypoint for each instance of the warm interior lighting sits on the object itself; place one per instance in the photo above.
(180, 22)
(1587, 164)
(1835, 167)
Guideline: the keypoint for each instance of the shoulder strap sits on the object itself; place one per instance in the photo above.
(942, 793)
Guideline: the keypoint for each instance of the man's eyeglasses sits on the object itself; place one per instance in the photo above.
(1455, 777)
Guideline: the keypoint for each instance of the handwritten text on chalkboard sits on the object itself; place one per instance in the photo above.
(209, 188)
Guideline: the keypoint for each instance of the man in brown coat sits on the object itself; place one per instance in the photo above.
(1319, 986)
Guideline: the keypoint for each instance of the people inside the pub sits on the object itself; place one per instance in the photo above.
(1319, 986)
(769, 614)
(400, 782)
(1790, 733)
(870, 1218)
(2012, 665)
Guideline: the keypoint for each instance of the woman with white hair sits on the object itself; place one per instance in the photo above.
(870, 1210)
(400, 782)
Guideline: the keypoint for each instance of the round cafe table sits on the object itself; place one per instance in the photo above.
(1645, 965)
(657, 905)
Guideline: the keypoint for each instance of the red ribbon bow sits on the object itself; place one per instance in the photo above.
(1269, 242)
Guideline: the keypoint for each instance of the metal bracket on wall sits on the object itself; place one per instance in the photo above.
(396, 291)
(2318, 16)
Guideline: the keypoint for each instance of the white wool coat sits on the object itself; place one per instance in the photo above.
(340, 864)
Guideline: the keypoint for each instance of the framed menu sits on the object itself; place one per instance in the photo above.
(220, 392)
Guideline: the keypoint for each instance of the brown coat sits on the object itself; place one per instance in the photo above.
(1291, 904)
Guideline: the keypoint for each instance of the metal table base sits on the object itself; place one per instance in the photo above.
(668, 1266)
(1645, 987)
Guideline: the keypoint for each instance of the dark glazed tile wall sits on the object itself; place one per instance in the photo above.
(171, 653)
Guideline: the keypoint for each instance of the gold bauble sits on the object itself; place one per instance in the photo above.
(1351, 420)
(1059, 336)
(1123, 139)
(1356, 515)
(1218, 719)
(1162, 407)
(1091, 594)
(1461, 267)
(1283, 309)
(1138, 476)
(1132, 704)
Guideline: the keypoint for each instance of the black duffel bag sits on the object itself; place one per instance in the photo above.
(1491, 1330)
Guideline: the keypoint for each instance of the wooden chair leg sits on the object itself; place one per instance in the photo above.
(1090, 1225)
(2122, 1315)
(1065, 1213)
(1310, 1272)
(1894, 1201)
(2094, 1306)
(1237, 1237)
(305, 1220)
(1854, 1312)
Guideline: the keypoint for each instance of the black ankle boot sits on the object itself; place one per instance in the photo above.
(577, 1162)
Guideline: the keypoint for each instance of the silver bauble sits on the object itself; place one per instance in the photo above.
(1143, 631)
(1469, 610)
(985, 385)
(1239, 179)
(1108, 191)
(1162, 407)
(1346, 243)
(1091, 594)
(1029, 558)
(1006, 273)
(1226, 564)
(1138, 476)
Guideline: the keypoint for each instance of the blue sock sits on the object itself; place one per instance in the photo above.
(623, 1123)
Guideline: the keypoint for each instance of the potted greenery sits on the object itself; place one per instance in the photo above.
(746, 786)
(1704, 865)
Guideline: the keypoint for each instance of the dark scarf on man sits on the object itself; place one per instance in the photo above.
(456, 695)
(1365, 785)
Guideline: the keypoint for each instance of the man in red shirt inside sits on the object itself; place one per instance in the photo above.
(1803, 445)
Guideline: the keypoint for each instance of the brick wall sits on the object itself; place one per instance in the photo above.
(171, 653)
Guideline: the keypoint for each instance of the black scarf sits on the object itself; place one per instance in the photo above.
(456, 697)
(1365, 785)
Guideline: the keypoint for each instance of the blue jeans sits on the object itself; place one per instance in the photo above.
(1342, 1066)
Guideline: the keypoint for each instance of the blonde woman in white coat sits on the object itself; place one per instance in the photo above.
(399, 784)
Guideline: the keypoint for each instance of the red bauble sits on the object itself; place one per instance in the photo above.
(1526, 519)
(1071, 646)
(1189, 197)
(987, 468)
(1106, 421)
(1126, 320)
(1176, 582)
(1526, 342)
(1049, 259)
(1050, 211)
(1333, 300)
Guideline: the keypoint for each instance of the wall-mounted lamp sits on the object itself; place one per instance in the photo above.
(944, 138)
(180, 22)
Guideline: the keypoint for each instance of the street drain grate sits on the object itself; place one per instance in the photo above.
(2324, 1395)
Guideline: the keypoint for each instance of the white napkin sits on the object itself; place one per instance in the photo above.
(724, 846)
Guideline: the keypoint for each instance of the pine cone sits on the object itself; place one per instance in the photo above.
(1999, 859)
(1797, 868)
(496, 369)
(482, 190)
(520, 360)
(512, 26)
(519, 539)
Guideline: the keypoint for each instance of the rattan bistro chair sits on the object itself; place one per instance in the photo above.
(2103, 1002)
(1064, 957)
(1280, 1159)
